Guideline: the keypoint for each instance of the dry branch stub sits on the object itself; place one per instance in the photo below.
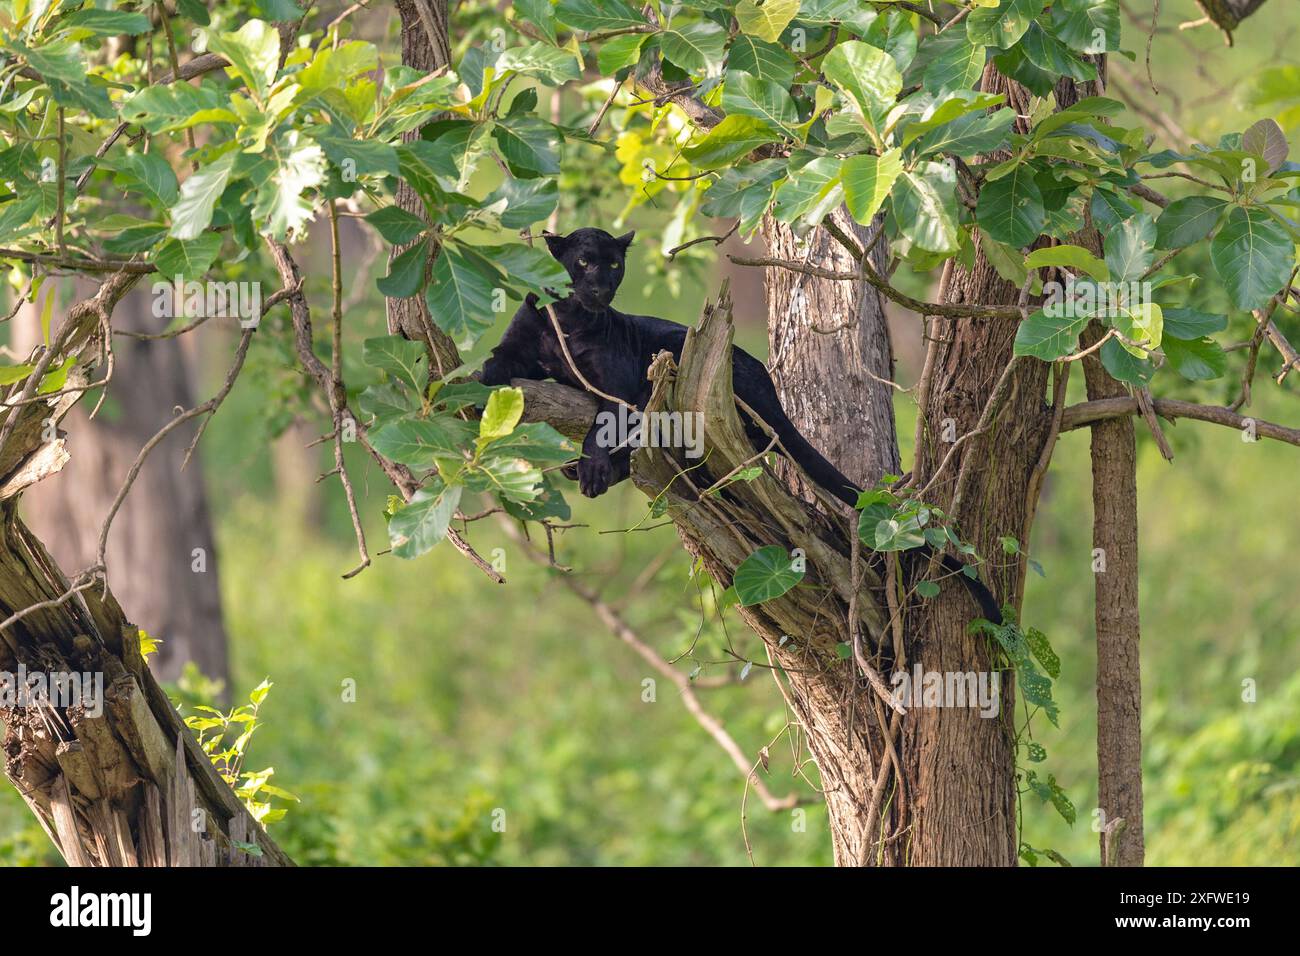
(106, 763)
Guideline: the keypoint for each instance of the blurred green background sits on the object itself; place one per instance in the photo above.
(477, 704)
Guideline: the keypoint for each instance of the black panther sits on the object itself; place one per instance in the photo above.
(613, 350)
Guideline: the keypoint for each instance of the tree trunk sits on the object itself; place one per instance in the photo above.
(111, 771)
(829, 354)
(161, 548)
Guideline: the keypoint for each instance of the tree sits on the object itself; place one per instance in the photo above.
(972, 142)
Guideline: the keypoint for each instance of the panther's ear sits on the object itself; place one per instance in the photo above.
(625, 240)
(555, 244)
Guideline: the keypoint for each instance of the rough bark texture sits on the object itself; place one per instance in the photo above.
(116, 779)
(153, 539)
(830, 357)
(1117, 616)
(959, 767)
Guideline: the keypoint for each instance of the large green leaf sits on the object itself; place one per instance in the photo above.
(254, 54)
(1195, 359)
(867, 182)
(1089, 26)
(1189, 220)
(732, 139)
(396, 225)
(767, 61)
(1130, 248)
(107, 23)
(1049, 337)
(1011, 209)
(423, 521)
(548, 63)
(199, 194)
(767, 19)
(400, 357)
(695, 47)
(969, 135)
(810, 193)
(743, 192)
(405, 272)
(529, 144)
(527, 201)
(1073, 257)
(766, 574)
(593, 15)
(1003, 25)
(1052, 56)
(460, 295)
(418, 441)
(956, 62)
(1192, 324)
(620, 52)
(280, 206)
(189, 258)
(1124, 366)
(765, 99)
(1253, 256)
(505, 407)
(867, 76)
(925, 207)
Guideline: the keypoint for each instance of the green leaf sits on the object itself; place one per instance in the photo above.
(1189, 220)
(254, 54)
(405, 272)
(524, 267)
(1197, 359)
(548, 63)
(515, 479)
(280, 206)
(1089, 26)
(148, 172)
(732, 139)
(192, 213)
(418, 441)
(1109, 209)
(957, 63)
(867, 182)
(810, 193)
(537, 442)
(1192, 324)
(696, 47)
(1130, 248)
(743, 192)
(594, 15)
(423, 522)
(107, 23)
(527, 201)
(1002, 26)
(529, 144)
(1266, 139)
(1253, 256)
(539, 14)
(927, 589)
(765, 99)
(1011, 209)
(970, 134)
(894, 534)
(1052, 56)
(619, 52)
(925, 207)
(504, 409)
(767, 61)
(766, 20)
(1048, 337)
(396, 225)
(1073, 257)
(187, 258)
(403, 359)
(1124, 366)
(868, 77)
(1007, 262)
(460, 296)
(764, 575)
(359, 157)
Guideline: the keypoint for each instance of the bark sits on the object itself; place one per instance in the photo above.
(114, 776)
(1116, 611)
(166, 519)
(830, 357)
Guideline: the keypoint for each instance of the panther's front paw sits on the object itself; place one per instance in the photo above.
(594, 475)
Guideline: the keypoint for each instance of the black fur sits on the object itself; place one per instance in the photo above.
(614, 351)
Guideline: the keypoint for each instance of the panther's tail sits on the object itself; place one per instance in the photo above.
(837, 483)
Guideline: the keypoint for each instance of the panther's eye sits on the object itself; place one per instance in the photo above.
(583, 263)
(616, 265)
